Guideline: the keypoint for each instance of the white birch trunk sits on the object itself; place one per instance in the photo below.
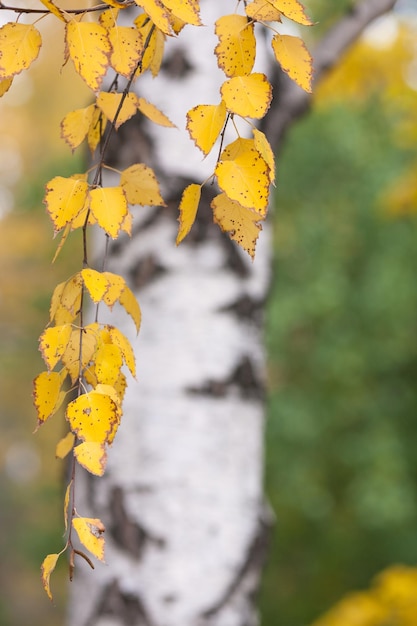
(182, 497)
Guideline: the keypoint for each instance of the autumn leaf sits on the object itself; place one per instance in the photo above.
(294, 58)
(186, 10)
(19, 47)
(77, 124)
(188, 210)
(293, 9)
(47, 567)
(263, 146)
(116, 285)
(107, 363)
(92, 456)
(89, 531)
(262, 11)
(237, 45)
(126, 350)
(205, 123)
(153, 113)
(53, 343)
(244, 175)
(158, 14)
(92, 417)
(127, 48)
(64, 446)
(47, 395)
(131, 306)
(241, 223)
(54, 9)
(109, 207)
(109, 104)
(141, 186)
(67, 500)
(89, 48)
(5, 85)
(65, 199)
(248, 96)
(83, 342)
(96, 283)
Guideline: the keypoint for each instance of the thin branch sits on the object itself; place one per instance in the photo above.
(291, 102)
(98, 7)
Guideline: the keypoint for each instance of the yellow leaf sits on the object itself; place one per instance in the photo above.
(244, 175)
(119, 340)
(248, 96)
(116, 286)
(47, 568)
(47, 396)
(127, 223)
(141, 186)
(109, 390)
(76, 125)
(149, 34)
(86, 339)
(185, 10)
(120, 5)
(93, 417)
(127, 48)
(64, 199)
(294, 58)
(107, 364)
(263, 146)
(97, 128)
(262, 11)
(89, 48)
(237, 45)
(188, 210)
(158, 14)
(153, 113)
(158, 53)
(96, 284)
(19, 47)
(109, 207)
(205, 123)
(241, 223)
(67, 500)
(293, 9)
(108, 18)
(53, 343)
(109, 104)
(120, 386)
(92, 456)
(64, 446)
(54, 9)
(90, 532)
(131, 306)
(5, 85)
(70, 298)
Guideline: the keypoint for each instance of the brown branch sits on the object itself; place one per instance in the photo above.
(98, 7)
(291, 102)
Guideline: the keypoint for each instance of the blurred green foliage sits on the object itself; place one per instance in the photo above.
(342, 339)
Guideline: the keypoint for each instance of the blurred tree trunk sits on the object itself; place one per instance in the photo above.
(182, 499)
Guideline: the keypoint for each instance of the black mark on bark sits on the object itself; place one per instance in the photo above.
(243, 378)
(127, 609)
(246, 579)
(145, 271)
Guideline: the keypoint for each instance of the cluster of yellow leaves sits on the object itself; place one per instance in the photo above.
(245, 168)
(85, 361)
(391, 600)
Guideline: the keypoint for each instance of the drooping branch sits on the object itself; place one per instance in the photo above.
(291, 102)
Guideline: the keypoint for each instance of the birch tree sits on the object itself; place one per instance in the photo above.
(181, 501)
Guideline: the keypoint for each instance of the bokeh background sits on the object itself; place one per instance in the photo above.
(341, 333)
